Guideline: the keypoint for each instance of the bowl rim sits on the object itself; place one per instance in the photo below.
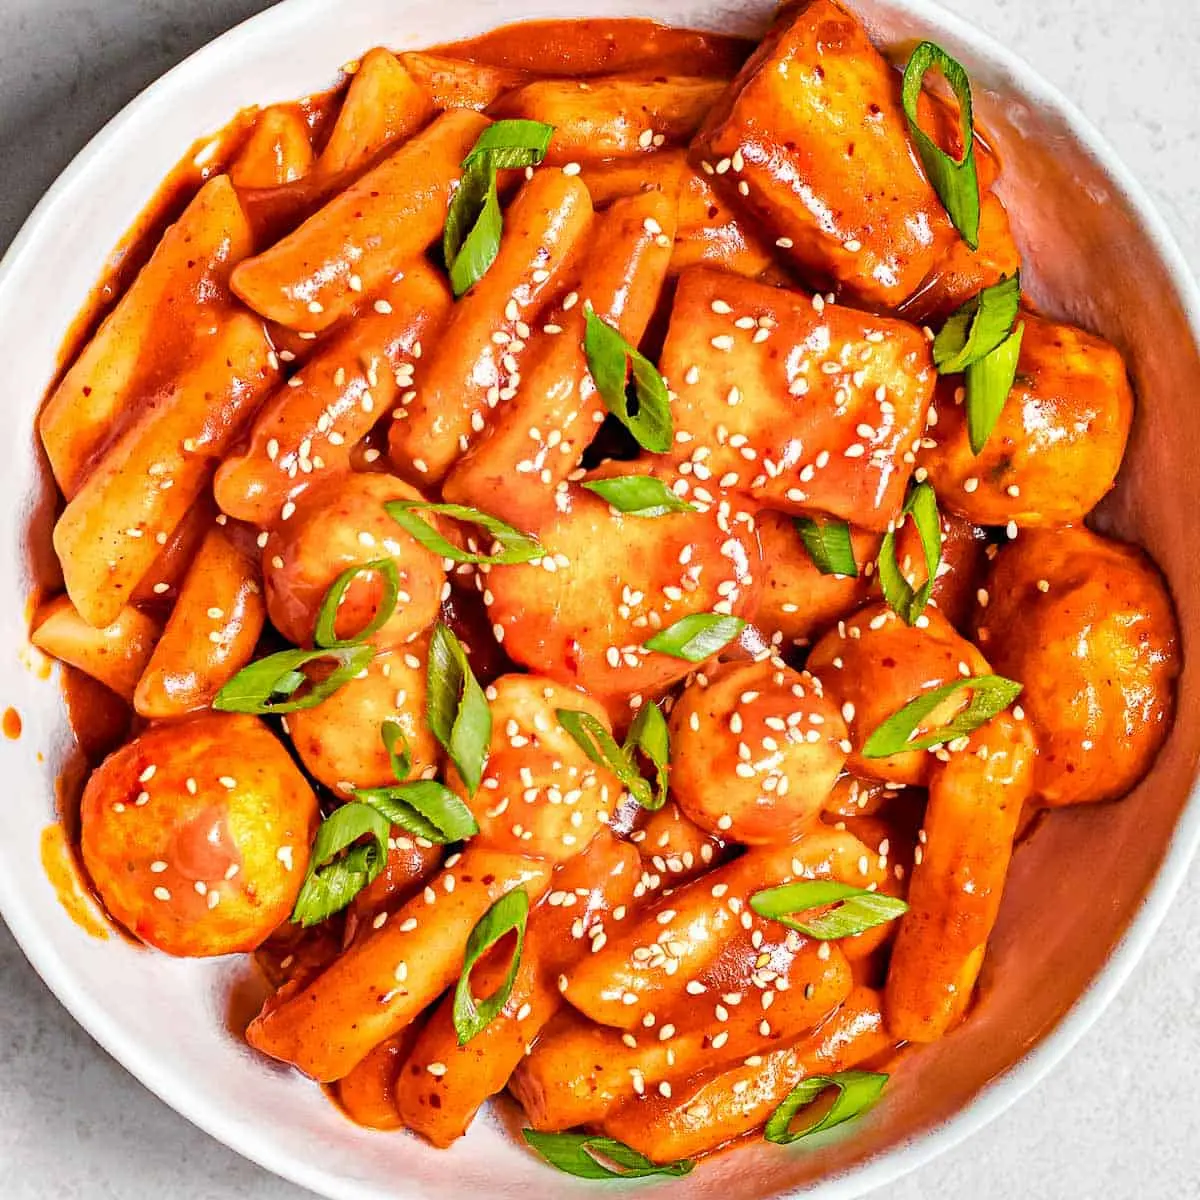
(995, 1096)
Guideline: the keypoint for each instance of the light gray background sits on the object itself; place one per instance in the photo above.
(1120, 1120)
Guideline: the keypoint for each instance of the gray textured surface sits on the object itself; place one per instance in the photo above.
(1119, 1119)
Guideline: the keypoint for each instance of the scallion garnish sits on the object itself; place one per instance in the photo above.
(456, 709)
(979, 339)
(975, 329)
(857, 909)
(270, 684)
(909, 602)
(474, 223)
(391, 733)
(696, 637)
(955, 180)
(638, 495)
(828, 545)
(597, 743)
(988, 384)
(332, 882)
(857, 1092)
(581, 1155)
(423, 807)
(511, 145)
(508, 915)
(324, 632)
(515, 546)
(650, 735)
(611, 361)
(990, 695)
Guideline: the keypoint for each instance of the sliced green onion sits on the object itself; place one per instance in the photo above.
(456, 709)
(597, 743)
(611, 360)
(990, 695)
(392, 735)
(857, 1092)
(828, 545)
(979, 339)
(474, 226)
(955, 180)
(988, 384)
(325, 634)
(858, 909)
(909, 602)
(474, 223)
(516, 547)
(270, 684)
(332, 882)
(973, 331)
(638, 495)
(580, 1154)
(425, 808)
(508, 915)
(650, 735)
(697, 637)
(511, 145)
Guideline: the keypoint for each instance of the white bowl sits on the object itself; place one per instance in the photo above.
(1085, 894)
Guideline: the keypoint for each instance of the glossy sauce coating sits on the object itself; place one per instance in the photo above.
(1058, 444)
(333, 527)
(289, 357)
(1087, 624)
(758, 748)
(540, 794)
(874, 664)
(649, 574)
(803, 405)
(817, 141)
(197, 834)
(339, 740)
(211, 634)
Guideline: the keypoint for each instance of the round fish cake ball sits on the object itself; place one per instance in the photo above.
(339, 740)
(609, 582)
(340, 523)
(874, 664)
(1058, 444)
(756, 748)
(1087, 625)
(540, 794)
(197, 834)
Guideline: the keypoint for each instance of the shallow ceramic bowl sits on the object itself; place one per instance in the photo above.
(1085, 894)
